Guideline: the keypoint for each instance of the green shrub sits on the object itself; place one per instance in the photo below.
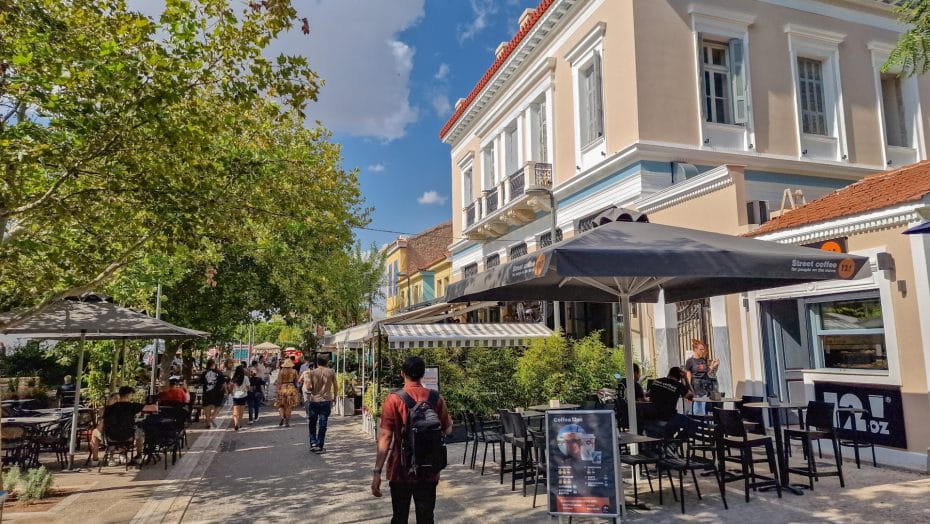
(11, 479)
(544, 370)
(36, 484)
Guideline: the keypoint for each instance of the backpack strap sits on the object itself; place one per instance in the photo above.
(433, 399)
(408, 400)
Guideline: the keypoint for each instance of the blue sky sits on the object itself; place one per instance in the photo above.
(393, 71)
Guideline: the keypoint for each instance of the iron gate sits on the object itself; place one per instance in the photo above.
(694, 323)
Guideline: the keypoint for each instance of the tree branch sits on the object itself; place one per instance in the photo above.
(5, 213)
(103, 276)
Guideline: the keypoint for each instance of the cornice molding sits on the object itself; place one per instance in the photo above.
(694, 187)
(857, 224)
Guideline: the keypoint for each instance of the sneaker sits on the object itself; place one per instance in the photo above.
(320, 451)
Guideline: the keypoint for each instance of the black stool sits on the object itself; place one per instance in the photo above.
(819, 425)
(854, 442)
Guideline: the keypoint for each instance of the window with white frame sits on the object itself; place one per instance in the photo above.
(590, 97)
(815, 66)
(848, 331)
(468, 195)
(811, 97)
(539, 134)
(723, 81)
(492, 261)
(488, 160)
(511, 149)
(546, 238)
(895, 114)
(518, 250)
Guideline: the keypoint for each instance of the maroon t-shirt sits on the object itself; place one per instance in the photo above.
(393, 418)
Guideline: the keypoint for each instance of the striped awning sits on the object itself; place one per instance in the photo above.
(406, 336)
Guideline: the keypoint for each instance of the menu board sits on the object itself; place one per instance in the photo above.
(430, 379)
(582, 463)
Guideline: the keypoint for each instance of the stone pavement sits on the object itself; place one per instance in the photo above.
(265, 473)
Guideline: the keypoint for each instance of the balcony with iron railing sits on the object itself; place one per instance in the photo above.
(515, 201)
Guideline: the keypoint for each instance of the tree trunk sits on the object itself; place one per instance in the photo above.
(171, 349)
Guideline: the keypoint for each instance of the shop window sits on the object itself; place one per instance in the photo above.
(849, 332)
(470, 270)
(518, 250)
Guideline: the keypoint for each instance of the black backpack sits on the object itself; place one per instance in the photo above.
(423, 448)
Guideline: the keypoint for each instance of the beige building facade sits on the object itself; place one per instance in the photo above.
(713, 114)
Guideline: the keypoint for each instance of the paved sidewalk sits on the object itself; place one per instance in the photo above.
(265, 473)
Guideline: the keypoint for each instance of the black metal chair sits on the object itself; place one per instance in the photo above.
(470, 436)
(19, 449)
(753, 418)
(732, 437)
(490, 435)
(120, 438)
(54, 438)
(520, 441)
(506, 438)
(818, 425)
(674, 457)
(648, 455)
(540, 465)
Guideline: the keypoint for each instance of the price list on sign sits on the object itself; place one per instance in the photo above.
(582, 451)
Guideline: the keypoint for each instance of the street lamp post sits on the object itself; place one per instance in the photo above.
(553, 229)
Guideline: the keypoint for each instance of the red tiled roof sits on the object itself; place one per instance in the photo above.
(883, 189)
(514, 42)
(429, 247)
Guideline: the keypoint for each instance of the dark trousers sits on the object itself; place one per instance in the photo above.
(254, 402)
(318, 412)
(424, 497)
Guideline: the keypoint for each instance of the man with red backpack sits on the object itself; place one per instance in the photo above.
(414, 421)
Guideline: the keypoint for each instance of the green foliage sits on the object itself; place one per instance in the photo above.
(912, 53)
(544, 371)
(35, 360)
(489, 380)
(36, 484)
(11, 479)
(553, 368)
(374, 399)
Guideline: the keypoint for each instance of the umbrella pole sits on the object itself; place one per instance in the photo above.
(628, 360)
(72, 444)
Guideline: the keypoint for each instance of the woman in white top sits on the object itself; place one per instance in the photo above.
(239, 388)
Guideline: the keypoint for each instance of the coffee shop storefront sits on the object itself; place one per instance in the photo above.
(859, 343)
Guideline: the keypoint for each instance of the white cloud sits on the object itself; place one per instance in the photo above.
(441, 104)
(377, 168)
(432, 197)
(483, 11)
(443, 71)
(354, 46)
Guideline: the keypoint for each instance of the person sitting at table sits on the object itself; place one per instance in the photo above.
(119, 420)
(664, 394)
(65, 392)
(621, 386)
(175, 394)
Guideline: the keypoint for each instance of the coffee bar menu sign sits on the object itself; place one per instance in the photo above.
(582, 471)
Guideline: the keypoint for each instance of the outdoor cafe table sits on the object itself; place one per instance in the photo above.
(30, 421)
(775, 411)
(547, 407)
(55, 411)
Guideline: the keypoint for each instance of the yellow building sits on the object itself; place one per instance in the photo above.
(417, 269)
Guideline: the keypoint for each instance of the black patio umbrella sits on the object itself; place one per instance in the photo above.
(632, 262)
(90, 317)
(919, 229)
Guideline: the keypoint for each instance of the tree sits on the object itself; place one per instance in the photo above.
(125, 139)
(912, 53)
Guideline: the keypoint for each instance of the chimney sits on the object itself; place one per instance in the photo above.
(525, 17)
(458, 103)
(500, 49)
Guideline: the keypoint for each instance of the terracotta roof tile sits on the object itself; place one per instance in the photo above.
(429, 247)
(881, 190)
(514, 42)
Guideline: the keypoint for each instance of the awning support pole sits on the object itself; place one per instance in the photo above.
(72, 444)
(628, 360)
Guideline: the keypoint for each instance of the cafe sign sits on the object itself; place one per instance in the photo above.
(886, 425)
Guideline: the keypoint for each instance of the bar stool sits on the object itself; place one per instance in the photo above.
(854, 442)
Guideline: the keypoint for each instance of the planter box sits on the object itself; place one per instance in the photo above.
(345, 406)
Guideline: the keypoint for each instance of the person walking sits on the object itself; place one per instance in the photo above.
(320, 394)
(239, 389)
(214, 384)
(286, 398)
(405, 484)
(256, 395)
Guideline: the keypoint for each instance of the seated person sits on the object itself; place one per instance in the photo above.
(118, 422)
(65, 392)
(664, 394)
(175, 394)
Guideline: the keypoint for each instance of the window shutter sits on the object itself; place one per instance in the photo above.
(598, 92)
(700, 79)
(543, 134)
(738, 81)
